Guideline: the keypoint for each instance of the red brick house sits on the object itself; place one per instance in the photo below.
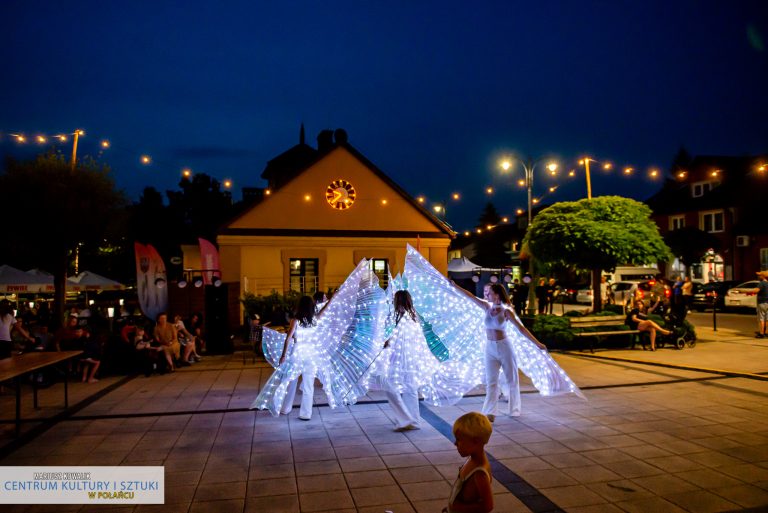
(726, 197)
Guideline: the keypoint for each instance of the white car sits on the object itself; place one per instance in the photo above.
(741, 296)
(621, 291)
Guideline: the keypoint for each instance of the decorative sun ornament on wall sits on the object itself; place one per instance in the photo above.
(340, 194)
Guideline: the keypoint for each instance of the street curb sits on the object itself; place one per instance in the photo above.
(722, 372)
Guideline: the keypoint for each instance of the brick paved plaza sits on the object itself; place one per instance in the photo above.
(650, 438)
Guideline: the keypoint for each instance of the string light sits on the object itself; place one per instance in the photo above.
(504, 219)
(384, 202)
(489, 190)
(307, 197)
(105, 144)
(267, 192)
(145, 159)
(628, 170)
(420, 199)
(456, 196)
(41, 139)
(227, 183)
(186, 172)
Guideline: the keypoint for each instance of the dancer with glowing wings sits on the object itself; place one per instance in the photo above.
(412, 361)
(460, 321)
(336, 345)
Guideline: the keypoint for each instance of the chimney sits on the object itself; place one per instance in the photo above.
(325, 140)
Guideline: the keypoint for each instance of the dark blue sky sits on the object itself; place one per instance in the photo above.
(432, 92)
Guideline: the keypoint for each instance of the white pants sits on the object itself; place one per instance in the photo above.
(499, 354)
(307, 395)
(404, 405)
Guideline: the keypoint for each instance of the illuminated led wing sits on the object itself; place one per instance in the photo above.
(454, 318)
(545, 374)
(272, 345)
(408, 362)
(274, 391)
(458, 321)
(346, 359)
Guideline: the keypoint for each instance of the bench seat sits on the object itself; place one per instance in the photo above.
(600, 321)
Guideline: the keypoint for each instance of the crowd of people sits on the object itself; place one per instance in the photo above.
(130, 344)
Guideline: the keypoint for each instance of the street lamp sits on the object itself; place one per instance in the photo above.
(529, 165)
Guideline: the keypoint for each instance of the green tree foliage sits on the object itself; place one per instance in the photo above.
(56, 208)
(690, 244)
(596, 234)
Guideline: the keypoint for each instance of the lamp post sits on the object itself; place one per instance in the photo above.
(529, 165)
(76, 135)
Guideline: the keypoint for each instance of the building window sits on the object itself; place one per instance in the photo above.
(699, 189)
(764, 259)
(304, 275)
(380, 267)
(712, 222)
(676, 222)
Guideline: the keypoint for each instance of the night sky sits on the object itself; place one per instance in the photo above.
(432, 92)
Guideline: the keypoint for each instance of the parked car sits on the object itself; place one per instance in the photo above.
(584, 296)
(705, 294)
(648, 291)
(739, 297)
(620, 290)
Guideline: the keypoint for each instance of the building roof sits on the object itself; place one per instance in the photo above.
(737, 183)
(287, 166)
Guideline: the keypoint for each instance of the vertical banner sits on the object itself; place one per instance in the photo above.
(151, 281)
(209, 259)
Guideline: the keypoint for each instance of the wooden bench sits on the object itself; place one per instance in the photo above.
(606, 322)
(20, 365)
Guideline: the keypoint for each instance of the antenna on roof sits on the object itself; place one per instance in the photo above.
(301, 134)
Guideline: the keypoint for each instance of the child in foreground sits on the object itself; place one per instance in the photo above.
(472, 492)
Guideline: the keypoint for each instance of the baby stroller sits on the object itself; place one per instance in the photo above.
(681, 335)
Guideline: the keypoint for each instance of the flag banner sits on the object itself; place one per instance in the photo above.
(151, 281)
(209, 261)
(105, 486)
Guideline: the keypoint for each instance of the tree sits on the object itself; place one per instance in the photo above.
(598, 235)
(56, 208)
(489, 245)
(200, 207)
(690, 244)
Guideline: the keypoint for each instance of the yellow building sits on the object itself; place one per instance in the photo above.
(323, 211)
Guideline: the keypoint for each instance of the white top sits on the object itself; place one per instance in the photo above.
(6, 323)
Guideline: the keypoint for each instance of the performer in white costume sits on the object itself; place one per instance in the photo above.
(337, 345)
(458, 321)
(300, 334)
(407, 360)
(499, 352)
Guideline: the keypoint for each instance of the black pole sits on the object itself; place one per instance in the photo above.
(714, 311)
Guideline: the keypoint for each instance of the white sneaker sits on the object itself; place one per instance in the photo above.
(515, 413)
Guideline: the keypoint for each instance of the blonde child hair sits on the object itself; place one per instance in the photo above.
(474, 425)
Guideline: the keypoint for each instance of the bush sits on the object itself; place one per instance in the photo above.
(273, 308)
(552, 330)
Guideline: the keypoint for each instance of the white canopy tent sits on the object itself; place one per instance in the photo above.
(88, 281)
(16, 281)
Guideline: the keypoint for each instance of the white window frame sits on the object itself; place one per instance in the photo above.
(676, 222)
(699, 189)
(713, 213)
